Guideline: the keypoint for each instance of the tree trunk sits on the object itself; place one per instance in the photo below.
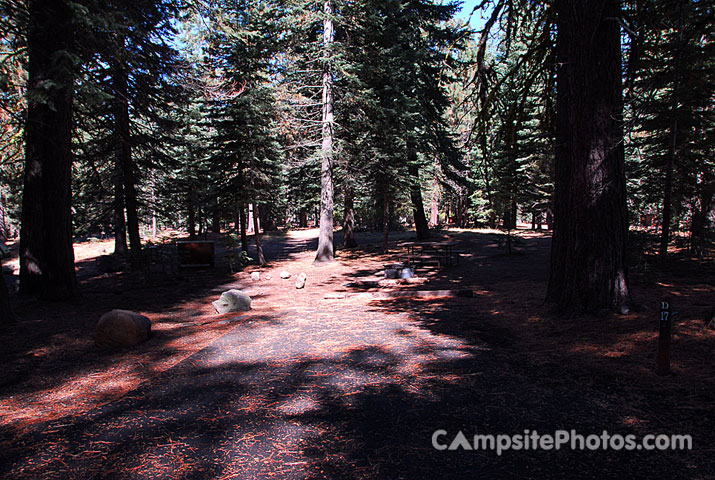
(418, 208)
(434, 208)
(349, 221)
(216, 218)
(46, 253)
(385, 222)
(153, 207)
(588, 268)
(325, 251)
(4, 234)
(6, 315)
(123, 133)
(242, 223)
(191, 217)
(672, 143)
(120, 226)
(257, 235)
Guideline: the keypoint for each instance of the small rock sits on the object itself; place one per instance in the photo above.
(255, 276)
(300, 283)
(285, 274)
(232, 301)
(121, 328)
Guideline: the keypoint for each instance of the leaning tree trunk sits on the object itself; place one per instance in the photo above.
(325, 239)
(588, 269)
(46, 253)
(257, 235)
(418, 207)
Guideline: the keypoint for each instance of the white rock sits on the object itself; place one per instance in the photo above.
(300, 283)
(255, 276)
(232, 301)
(285, 274)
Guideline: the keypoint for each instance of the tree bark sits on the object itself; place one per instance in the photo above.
(257, 235)
(325, 251)
(418, 207)
(588, 268)
(349, 221)
(46, 253)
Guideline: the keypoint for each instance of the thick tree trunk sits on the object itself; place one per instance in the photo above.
(46, 253)
(120, 78)
(418, 207)
(325, 251)
(588, 268)
(349, 221)
(257, 235)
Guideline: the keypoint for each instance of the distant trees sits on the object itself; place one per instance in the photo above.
(670, 80)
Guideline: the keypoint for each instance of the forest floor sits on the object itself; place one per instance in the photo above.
(303, 386)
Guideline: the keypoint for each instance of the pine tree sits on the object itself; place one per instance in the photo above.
(588, 270)
(46, 253)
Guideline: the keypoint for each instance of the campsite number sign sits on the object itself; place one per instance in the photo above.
(663, 357)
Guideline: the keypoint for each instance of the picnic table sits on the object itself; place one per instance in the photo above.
(423, 252)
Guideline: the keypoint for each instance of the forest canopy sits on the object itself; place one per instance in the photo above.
(123, 117)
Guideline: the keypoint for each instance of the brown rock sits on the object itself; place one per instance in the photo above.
(121, 328)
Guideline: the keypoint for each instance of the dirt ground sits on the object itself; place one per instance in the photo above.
(303, 386)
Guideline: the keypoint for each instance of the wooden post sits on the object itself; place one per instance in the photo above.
(663, 357)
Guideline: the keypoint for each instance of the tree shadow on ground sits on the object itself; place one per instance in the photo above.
(361, 409)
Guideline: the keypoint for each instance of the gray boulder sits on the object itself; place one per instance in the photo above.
(121, 328)
(232, 301)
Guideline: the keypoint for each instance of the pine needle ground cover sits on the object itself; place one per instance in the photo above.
(308, 387)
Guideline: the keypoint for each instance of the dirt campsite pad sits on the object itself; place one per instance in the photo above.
(354, 386)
